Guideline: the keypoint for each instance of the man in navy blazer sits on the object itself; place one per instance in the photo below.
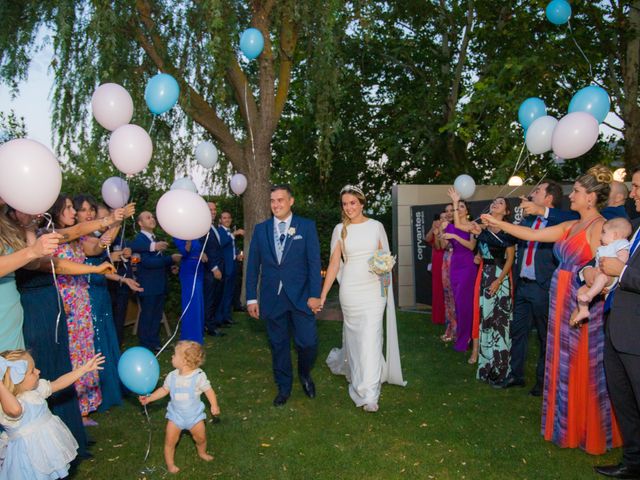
(151, 274)
(212, 280)
(534, 267)
(285, 254)
(228, 249)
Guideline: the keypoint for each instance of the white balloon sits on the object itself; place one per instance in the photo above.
(31, 177)
(574, 135)
(238, 183)
(540, 133)
(515, 181)
(130, 149)
(465, 186)
(183, 214)
(115, 192)
(184, 183)
(112, 106)
(207, 154)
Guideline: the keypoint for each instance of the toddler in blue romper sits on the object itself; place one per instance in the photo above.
(185, 411)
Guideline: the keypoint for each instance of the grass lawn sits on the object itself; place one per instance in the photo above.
(442, 425)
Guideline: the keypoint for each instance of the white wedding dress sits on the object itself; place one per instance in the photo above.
(363, 306)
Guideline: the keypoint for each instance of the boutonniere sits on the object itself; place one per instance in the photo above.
(292, 231)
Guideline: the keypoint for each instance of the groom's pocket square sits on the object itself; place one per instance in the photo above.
(298, 237)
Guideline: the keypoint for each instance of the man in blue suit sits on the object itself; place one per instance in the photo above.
(285, 254)
(152, 276)
(228, 247)
(535, 264)
(212, 285)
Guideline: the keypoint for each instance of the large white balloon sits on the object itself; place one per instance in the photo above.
(539, 134)
(112, 106)
(238, 183)
(183, 214)
(30, 176)
(207, 154)
(130, 149)
(184, 183)
(574, 135)
(465, 186)
(115, 192)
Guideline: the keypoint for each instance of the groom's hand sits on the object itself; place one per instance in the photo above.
(253, 310)
(314, 304)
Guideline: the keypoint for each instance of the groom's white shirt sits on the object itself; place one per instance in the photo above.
(276, 222)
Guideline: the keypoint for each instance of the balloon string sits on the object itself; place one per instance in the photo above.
(153, 121)
(51, 226)
(581, 52)
(246, 106)
(193, 289)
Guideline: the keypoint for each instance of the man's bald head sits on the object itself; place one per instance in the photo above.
(618, 194)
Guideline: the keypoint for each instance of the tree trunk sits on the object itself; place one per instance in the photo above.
(630, 109)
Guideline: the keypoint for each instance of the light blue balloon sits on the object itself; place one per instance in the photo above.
(139, 370)
(558, 12)
(531, 109)
(251, 43)
(592, 99)
(161, 93)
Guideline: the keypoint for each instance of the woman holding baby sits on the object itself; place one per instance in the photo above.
(576, 410)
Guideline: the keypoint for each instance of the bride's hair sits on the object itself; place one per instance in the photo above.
(359, 194)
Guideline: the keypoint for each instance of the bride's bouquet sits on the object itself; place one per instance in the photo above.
(381, 264)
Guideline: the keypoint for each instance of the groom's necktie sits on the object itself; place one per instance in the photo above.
(281, 227)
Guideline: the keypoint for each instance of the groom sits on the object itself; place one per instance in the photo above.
(285, 254)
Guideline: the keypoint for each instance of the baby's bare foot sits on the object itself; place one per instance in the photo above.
(205, 456)
(173, 469)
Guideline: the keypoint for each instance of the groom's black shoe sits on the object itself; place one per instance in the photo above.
(280, 399)
(308, 387)
(618, 471)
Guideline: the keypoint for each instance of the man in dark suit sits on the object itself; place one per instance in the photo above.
(152, 276)
(622, 349)
(285, 255)
(212, 284)
(535, 264)
(228, 245)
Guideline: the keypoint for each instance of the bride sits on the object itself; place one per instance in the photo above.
(363, 302)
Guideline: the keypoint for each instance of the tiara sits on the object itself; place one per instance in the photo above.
(351, 188)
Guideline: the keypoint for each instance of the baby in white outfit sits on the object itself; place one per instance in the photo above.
(615, 245)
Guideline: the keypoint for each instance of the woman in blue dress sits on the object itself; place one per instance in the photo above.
(105, 337)
(193, 320)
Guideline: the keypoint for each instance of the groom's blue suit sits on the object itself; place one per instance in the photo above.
(285, 287)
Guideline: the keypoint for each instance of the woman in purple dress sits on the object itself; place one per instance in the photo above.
(463, 273)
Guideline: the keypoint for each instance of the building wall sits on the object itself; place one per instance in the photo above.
(406, 196)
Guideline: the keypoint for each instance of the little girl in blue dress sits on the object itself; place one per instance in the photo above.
(39, 445)
(185, 410)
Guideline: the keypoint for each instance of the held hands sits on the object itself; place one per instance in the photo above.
(252, 309)
(611, 266)
(94, 364)
(315, 304)
(46, 245)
